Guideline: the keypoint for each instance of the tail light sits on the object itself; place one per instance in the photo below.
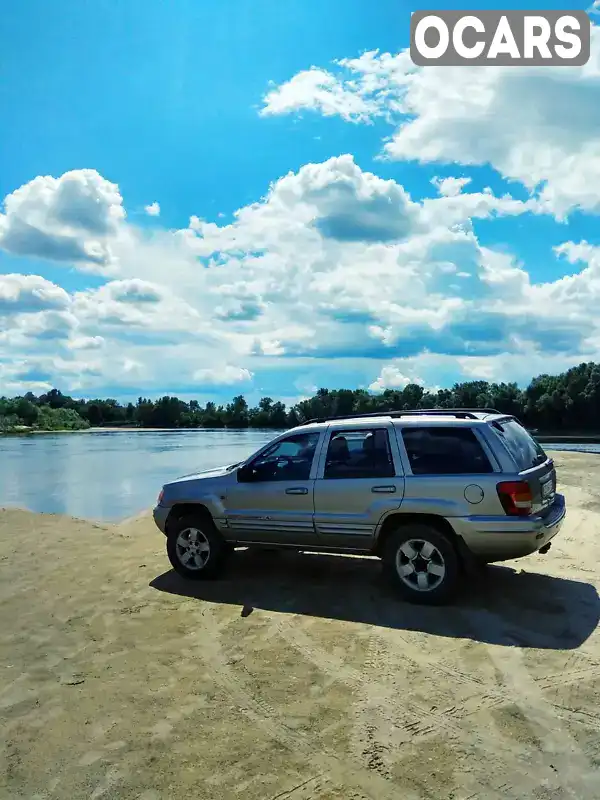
(160, 497)
(516, 498)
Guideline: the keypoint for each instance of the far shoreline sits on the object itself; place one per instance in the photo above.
(131, 428)
(543, 438)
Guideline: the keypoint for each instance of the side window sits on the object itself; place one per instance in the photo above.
(444, 451)
(359, 454)
(287, 460)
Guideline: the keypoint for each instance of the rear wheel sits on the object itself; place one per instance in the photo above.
(195, 548)
(422, 564)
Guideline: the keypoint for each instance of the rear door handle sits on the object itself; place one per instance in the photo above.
(383, 489)
(297, 490)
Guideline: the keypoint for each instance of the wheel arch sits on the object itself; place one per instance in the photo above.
(395, 521)
(181, 510)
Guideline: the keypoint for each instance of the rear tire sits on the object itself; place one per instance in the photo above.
(422, 564)
(196, 549)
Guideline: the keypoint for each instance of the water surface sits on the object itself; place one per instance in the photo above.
(112, 475)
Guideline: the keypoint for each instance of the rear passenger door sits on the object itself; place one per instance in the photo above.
(450, 471)
(359, 480)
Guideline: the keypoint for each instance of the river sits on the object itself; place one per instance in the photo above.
(112, 475)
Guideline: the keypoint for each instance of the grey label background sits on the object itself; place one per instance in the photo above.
(490, 19)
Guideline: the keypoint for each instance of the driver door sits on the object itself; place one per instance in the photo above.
(274, 500)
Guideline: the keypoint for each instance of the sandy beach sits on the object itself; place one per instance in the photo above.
(295, 676)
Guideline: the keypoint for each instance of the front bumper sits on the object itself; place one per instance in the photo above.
(160, 514)
(503, 538)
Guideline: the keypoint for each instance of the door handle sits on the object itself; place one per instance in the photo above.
(383, 489)
(297, 490)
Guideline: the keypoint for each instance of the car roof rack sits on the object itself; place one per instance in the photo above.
(459, 413)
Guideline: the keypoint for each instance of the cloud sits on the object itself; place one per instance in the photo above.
(30, 293)
(72, 218)
(153, 210)
(461, 207)
(359, 90)
(334, 265)
(135, 304)
(317, 90)
(536, 126)
(48, 325)
(450, 187)
(390, 377)
(134, 291)
(335, 199)
(240, 310)
(86, 343)
(226, 375)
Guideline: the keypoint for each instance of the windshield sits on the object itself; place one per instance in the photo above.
(525, 450)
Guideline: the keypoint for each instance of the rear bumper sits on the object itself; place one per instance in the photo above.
(160, 514)
(503, 538)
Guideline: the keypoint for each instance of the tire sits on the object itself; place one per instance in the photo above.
(420, 550)
(196, 536)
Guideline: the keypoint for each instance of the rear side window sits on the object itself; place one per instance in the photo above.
(523, 448)
(359, 454)
(444, 451)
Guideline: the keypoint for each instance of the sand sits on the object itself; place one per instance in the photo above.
(296, 676)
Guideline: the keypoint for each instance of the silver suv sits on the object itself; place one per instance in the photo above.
(429, 492)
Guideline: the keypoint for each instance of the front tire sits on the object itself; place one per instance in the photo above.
(196, 549)
(422, 564)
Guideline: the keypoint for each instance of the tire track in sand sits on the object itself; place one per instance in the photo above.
(386, 718)
(315, 751)
(380, 706)
(577, 777)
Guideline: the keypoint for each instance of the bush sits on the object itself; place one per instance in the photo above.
(60, 419)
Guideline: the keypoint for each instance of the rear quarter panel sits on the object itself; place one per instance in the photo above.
(452, 495)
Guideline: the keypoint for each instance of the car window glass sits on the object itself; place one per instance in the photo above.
(523, 448)
(359, 454)
(287, 460)
(444, 451)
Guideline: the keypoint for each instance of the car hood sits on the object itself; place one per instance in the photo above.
(215, 472)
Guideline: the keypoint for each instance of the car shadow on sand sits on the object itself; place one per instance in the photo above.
(500, 605)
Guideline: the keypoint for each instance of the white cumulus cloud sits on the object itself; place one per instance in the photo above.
(70, 219)
(538, 126)
(334, 265)
(23, 293)
(225, 375)
(450, 187)
(153, 210)
(390, 377)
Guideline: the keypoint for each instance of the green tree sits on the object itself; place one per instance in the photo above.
(236, 413)
(26, 411)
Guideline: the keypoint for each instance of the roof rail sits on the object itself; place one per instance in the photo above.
(459, 413)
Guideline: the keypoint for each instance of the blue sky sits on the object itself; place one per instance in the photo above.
(319, 223)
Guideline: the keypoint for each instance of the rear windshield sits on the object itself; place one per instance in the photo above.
(523, 448)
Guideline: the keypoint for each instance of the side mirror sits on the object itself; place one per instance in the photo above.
(244, 474)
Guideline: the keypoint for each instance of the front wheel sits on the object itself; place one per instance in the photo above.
(423, 564)
(195, 548)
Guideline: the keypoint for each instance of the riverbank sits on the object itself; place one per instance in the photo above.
(575, 438)
(120, 680)
(23, 430)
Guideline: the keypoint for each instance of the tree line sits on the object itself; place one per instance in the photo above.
(567, 402)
